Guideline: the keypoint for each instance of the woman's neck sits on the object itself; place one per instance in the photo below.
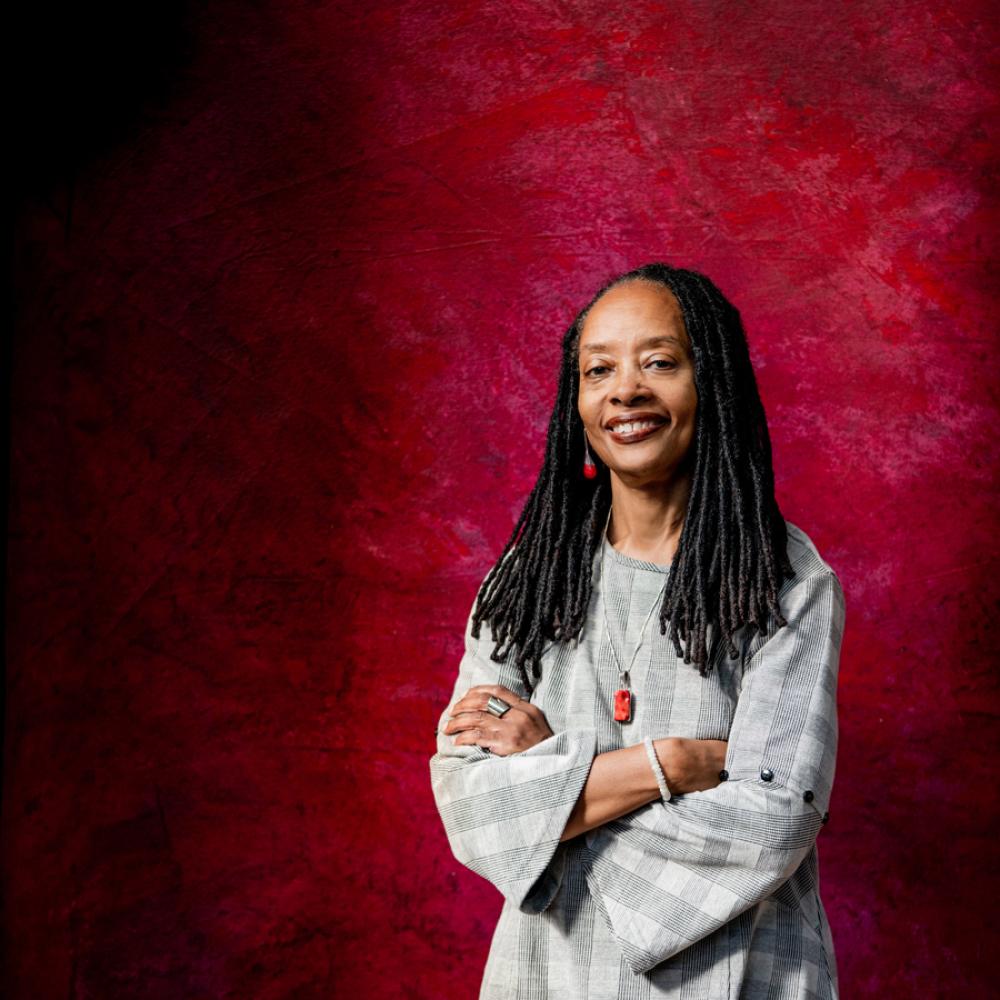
(646, 523)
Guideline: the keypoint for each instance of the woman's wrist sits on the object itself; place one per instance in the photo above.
(671, 752)
(691, 765)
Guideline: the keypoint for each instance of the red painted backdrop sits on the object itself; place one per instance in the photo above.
(286, 344)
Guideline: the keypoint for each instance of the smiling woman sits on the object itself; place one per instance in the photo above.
(637, 401)
(652, 827)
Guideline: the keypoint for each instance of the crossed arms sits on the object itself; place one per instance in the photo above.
(665, 873)
(619, 781)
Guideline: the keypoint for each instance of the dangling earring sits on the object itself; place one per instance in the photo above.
(589, 469)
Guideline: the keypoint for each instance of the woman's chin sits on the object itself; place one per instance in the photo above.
(638, 472)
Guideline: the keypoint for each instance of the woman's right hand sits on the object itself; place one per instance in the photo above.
(517, 730)
(691, 765)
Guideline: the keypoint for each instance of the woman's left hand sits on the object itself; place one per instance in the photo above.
(521, 727)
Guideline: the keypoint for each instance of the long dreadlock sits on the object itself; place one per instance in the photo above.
(732, 554)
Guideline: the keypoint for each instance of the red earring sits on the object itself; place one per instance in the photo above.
(589, 469)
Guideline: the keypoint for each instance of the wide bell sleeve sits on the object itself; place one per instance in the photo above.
(504, 815)
(672, 872)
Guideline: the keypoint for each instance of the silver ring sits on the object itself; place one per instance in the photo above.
(497, 706)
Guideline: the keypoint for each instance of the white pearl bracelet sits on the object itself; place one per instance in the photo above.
(654, 763)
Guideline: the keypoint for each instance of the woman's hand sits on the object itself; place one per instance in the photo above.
(520, 728)
(691, 765)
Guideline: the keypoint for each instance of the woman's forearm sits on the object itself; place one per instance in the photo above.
(619, 782)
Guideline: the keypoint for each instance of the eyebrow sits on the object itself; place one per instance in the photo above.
(648, 342)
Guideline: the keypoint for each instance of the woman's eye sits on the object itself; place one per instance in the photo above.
(663, 364)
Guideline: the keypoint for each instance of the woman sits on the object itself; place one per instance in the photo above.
(646, 794)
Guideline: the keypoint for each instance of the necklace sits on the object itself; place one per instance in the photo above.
(623, 696)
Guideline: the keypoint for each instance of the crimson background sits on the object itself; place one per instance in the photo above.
(286, 342)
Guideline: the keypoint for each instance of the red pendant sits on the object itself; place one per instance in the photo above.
(623, 705)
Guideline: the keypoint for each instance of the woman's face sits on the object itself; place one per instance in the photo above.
(637, 395)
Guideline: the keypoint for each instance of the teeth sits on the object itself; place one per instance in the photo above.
(635, 425)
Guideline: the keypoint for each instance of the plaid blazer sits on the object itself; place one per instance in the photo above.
(705, 895)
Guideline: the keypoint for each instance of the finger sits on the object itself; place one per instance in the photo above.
(470, 703)
(496, 689)
(473, 737)
(466, 720)
(519, 705)
(472, 717)
(466, 706)
(474, 701)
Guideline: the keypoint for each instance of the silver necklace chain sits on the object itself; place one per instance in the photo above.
(623, 672)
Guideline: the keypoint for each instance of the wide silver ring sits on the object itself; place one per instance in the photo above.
(497, 706)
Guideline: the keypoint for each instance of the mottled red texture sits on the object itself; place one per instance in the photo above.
(281, 391)
(623, 705)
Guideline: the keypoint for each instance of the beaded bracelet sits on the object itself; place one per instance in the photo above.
(654, 763)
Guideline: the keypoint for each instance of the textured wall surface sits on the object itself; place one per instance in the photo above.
(286, 346)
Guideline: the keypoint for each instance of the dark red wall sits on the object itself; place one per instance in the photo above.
(286, 344)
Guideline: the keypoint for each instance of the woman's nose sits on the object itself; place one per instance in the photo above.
(629, 386)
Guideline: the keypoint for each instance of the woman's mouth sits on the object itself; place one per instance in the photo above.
(635, 430)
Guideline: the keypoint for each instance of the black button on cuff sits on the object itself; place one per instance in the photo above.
(723, 775)
(808, 795)
(766, 774)
(826, 816)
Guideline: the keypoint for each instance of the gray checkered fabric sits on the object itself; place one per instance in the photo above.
(701, 896)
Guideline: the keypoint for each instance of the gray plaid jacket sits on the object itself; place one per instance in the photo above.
(704, 895)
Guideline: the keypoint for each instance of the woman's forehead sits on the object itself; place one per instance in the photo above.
(638, 309)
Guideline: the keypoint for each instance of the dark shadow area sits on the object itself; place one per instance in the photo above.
(82, 77)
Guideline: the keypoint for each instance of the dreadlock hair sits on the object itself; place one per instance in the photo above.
(732, 554)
